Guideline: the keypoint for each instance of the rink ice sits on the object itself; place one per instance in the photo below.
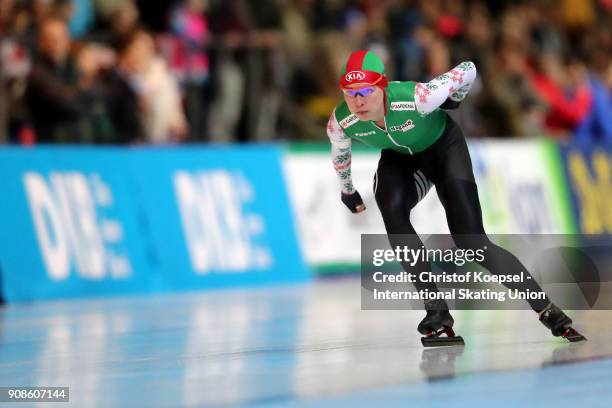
(305, 345)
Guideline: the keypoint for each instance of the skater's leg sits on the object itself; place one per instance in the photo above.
(465, 223)
(396, 194)
(458, 193)
(398, 187)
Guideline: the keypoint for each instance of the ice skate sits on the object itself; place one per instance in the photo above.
(559, 323)
(438, 321)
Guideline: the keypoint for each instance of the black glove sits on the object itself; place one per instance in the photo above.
(450, 104)
(353, 202)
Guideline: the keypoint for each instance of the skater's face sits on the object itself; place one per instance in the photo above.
(365, 101)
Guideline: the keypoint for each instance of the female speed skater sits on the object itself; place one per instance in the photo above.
(422, 146)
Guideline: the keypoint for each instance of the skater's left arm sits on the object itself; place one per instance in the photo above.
(447, 90)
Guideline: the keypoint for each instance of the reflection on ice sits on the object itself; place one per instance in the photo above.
(278, 344)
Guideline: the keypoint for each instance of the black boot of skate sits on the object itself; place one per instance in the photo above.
(559, 323)
(438, 321)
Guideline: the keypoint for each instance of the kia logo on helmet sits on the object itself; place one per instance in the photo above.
(355, 75)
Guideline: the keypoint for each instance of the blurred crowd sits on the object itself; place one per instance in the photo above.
(131, 71)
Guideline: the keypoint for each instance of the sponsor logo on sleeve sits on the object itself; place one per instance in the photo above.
(403, 106)
(404, 127)
(348, 121)
(365, 134)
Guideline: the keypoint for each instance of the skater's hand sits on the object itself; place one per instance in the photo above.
(449, 104)
(353, 201)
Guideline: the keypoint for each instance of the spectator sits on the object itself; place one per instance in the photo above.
(117, 19)
(59, 96)
(510, 104)
(14, 68)
(123, 88)
(162, 111)
(566, 93)
(186, 51)
(257, 69)
(230, 24)
(597, 126)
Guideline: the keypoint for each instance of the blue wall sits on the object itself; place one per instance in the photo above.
(96, 221)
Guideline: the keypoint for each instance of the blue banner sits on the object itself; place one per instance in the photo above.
(589, 174)
(98, 221)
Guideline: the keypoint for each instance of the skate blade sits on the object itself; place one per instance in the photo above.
(442, 341)
(434, 339)
(573, 336)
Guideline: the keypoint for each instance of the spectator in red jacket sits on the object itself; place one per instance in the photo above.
(564, 88)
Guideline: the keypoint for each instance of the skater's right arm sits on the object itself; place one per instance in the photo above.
(341, 159)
